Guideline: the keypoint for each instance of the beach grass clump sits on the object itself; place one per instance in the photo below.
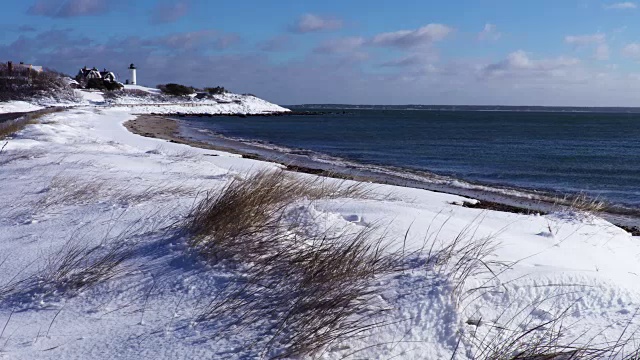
(75, 267)
(302, 287)
(9, 128)
(67, 190)
(587, 204)
(225, 220)
(78, 266)
(463, 257)
(582, 203)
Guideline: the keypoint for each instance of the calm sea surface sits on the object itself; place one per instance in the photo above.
(594, 153)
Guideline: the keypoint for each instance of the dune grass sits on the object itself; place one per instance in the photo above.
(9, 128)
(308, 288)
(234, 219)
(67, 190)
(305, 288)
(582, 203)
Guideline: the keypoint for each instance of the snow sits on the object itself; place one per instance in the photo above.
(228, 103)
(142, 88)
(18, 107)
(139, 188)
(246, 107)
(90, 96)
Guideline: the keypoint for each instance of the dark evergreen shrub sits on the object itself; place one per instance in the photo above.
(97, 84)
(176, 89)
(218, 90)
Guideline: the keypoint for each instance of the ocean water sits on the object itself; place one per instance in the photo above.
(565, 152)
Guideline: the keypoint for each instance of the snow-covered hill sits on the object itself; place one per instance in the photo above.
(143, 100)
(147, 100)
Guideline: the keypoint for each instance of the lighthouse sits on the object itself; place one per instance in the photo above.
(132, 69)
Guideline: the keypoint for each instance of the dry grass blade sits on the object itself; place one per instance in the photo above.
(77, 266)
(66, 190)
(70, 270)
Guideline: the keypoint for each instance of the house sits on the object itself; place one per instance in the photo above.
(85, 74)
(22, 66)
(108, 75)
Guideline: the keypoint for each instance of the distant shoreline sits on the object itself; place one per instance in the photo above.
(166, 128)
(489, 108)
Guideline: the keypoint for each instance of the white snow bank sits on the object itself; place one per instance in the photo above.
(136, 189)
(90, 96)
(221, 104)
(228, 103)
(18, 107)
(142, 88)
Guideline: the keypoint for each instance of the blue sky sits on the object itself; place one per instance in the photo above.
(569, 52)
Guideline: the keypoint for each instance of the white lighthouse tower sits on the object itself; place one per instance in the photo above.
(132, 69)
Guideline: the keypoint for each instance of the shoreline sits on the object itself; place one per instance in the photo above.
(161, 127)
(166, 128)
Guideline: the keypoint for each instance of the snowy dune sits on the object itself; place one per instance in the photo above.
(227, 103)
(140, 188)
(17, 107)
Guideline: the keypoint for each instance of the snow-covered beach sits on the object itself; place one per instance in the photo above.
(79, 178)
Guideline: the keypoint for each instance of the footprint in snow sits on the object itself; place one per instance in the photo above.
(356, 219)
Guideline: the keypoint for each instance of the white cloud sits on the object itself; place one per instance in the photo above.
(516, 79)
(598, 41)
(632, 51)
(194, 40)
(313, 23)
(425, 35)
(622, 5)
(520, 62)
(489, 33)
(581, 40)
(341, 45)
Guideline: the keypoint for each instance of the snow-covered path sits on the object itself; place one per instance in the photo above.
(79, 177)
